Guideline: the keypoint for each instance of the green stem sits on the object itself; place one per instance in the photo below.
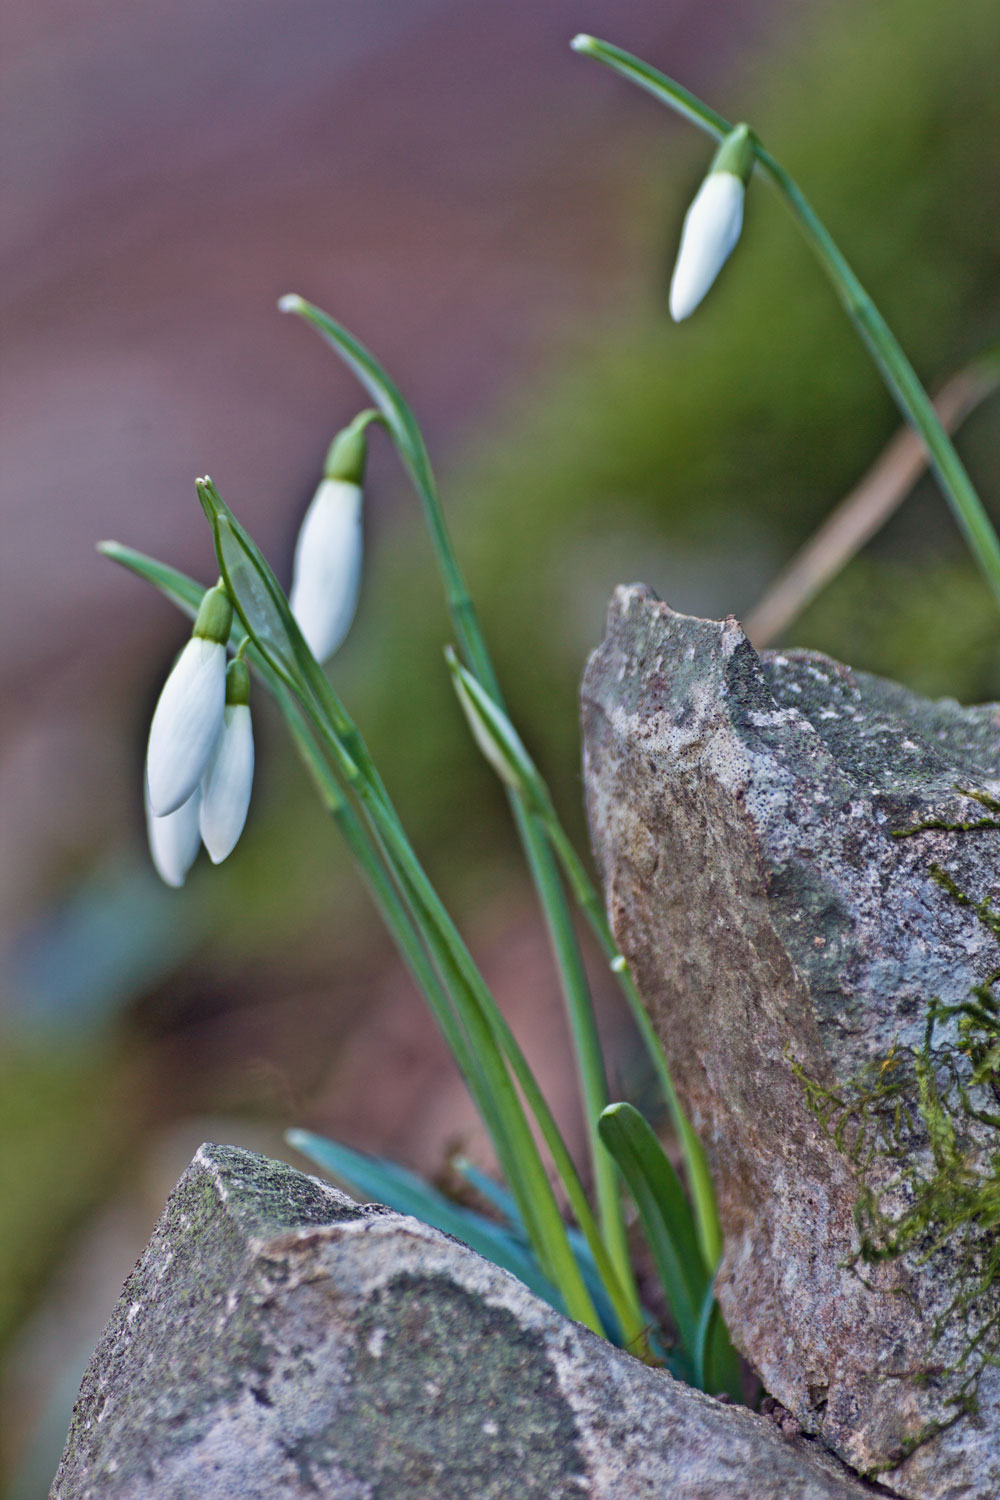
(878, 338)
(514, 1140)
(383, 893)
(459, 971)
(412, 450)
(589, 1057)
(534, 1191)
(695, 1162)
(537, 1200)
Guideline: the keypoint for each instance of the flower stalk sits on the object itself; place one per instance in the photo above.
(898, 374)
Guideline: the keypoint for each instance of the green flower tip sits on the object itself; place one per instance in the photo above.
(291, 302)
(215, 616)
(237, 682)
(347, 453)
(736, 154)
(583, 43)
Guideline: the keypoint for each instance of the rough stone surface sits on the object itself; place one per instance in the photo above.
(742, 810)
(276, 1340)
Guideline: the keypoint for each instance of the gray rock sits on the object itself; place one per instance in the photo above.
(276, 1340)
(785, 941)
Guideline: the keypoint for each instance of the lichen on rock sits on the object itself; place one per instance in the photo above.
(743, 811)
(279, 1342)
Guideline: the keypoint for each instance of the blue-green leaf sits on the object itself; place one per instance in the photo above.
(373, 1178)
(716, 1365)
(665, 1214)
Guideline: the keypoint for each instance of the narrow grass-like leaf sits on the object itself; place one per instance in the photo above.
(181, 590)
(488, 1037)
(398, 416)
(664, 1212)
(257, 596)
(506, 1205)
(405, 430)
(481, 1063)
(666, 90)
(716, 1366)
(504, 749)
(494, 1193)
(381, 1181)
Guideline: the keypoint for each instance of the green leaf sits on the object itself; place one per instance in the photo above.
(505, 1203)
(399, 417)
(186, 594)
(499, 1197)
(665, 89)
(257, 596)
(373, 1178)
(717, 1366)
(181, 590)
(664, 1212)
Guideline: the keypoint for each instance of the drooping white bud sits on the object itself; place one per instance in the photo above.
(174, 841)
(186, 725)
(712, 224)
(327, 573)
(226, 784)
(326, 576)
(188, 715)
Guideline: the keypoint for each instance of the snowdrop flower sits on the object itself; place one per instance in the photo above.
(225, 786)
(327, 571)
(712, 224)
(188, 716)
(174, 841)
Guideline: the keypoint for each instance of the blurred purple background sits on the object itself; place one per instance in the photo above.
(458, 187)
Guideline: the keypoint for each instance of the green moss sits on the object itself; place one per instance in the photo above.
(921, 1128)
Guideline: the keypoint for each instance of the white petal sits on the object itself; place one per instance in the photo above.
(711, 228)
(327, 572)
(174, 841)
(186, 724)
(225, 790)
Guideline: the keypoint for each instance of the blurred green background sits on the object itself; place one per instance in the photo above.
(510, 266)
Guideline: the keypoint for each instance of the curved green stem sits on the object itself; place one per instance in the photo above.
(589, 1056)
(878, 338)
(408, 440)
(695, 1162)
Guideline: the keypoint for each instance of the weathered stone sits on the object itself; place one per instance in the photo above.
(744, 812)
(278, 1341)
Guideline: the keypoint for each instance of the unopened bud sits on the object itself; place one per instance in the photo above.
(713, 223)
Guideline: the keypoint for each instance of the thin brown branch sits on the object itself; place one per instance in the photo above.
(865, 509)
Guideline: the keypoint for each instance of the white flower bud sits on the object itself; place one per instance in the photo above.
(225, 787)
(711, 229)
(327, 572)
(186, 724)
(713, 222)
(174, 841)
